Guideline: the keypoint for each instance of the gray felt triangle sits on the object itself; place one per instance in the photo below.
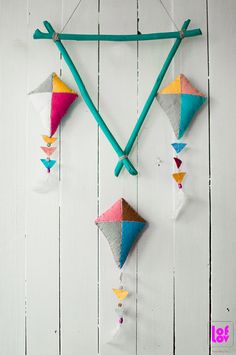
(45, 86)
(171, 105)
(112, 231)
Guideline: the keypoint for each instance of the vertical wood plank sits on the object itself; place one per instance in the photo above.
(13, 59)
(118, 105)
(222, 128)
(42, 208)
(61, 284)
(78, 193)
(155, 265)
(191, 229)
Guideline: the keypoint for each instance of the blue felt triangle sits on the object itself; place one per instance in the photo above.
(48, 163)
(190, 104)
(178, 146)
(130, 232)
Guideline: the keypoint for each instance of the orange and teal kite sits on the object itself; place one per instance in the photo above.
(180, 101)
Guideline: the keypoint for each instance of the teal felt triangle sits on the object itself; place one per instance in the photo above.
(178, 146)
(130, 232)
(190, 104)
(48, 163)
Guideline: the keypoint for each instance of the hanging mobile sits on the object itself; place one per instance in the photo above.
(51, 99)
(180, 101)
(121, 225)
(57, 37)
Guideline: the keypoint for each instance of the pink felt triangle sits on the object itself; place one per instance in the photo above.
(187, 88)
(60, 104)
(48, 150)
(178, 162)
(114, 214)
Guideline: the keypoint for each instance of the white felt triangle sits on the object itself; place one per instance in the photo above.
(42, 104)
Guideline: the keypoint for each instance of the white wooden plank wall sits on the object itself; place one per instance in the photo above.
(56, 270)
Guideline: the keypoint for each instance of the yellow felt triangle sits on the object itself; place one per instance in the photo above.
(49, 140)
(179, 177)
(59, 86)
(120, 294)
(173, 88)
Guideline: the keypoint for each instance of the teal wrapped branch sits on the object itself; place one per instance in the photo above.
(57, 37)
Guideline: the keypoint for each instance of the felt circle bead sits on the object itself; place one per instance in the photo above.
(180, 186)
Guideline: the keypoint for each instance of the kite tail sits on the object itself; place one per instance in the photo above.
(180, 202)
(46, 183)
(179, 176)
(49, 180)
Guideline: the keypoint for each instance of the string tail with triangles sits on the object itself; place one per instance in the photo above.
(181, 101)
(178, 176)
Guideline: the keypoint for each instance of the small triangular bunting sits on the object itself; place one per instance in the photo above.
(120, 293)
(49, 140)
(48, 150)
(48, 163)
(178, 162)
(178, 146)
(179, 177)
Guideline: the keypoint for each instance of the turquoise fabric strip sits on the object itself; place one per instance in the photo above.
(121, 38)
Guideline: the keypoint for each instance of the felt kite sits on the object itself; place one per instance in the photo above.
(180, 100)
(51, 99)
(121, 225)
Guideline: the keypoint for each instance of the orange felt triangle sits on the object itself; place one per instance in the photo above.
(120, 293)
(179, 177)
(49, 140)
(173, 88)
(48, 150)
(59, 86)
